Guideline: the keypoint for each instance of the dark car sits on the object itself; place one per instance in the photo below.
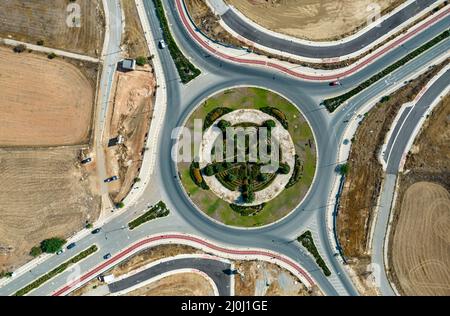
(86, 161)
(334, 83)
(107, 256)
(70, 246)
(96, 231)
(114, 178)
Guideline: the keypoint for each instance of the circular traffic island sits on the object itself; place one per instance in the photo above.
(246, 157)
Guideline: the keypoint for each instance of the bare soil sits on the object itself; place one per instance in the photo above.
(183, 284)
(260, 278)
(44, 193)
(317, 20)
(44, 102)
(363, 182)
(133, 39)
(35, 20)
(419, 245)
(130, 116)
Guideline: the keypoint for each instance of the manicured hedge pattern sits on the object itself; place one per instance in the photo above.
(214, 115)
(247, 210)
(186, 69)
(297, 174)
(333, 103)
(157, 211)
(307, 241)
(61, 268)
(196, 176)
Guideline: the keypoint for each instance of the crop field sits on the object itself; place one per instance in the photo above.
(312, 19)
(44, 193)
(420, 245)
(32, 21)
(44, 102)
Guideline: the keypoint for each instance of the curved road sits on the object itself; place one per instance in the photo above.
(248, 31)
(215, 269)
(280, 237)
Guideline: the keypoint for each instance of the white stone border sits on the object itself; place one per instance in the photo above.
(315, 144)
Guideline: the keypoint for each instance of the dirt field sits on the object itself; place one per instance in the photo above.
(35, 20)
(311, 19)
(362, 185)
(419, 245)
(130, 116)
(44, 193)
(133, 38)
(184, 284)
(44, 102)
(421, 242)
(260, 278)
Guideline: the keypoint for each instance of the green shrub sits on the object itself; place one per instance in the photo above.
(307, 241)
(344, 169)
(214, 115)
(19, 48)
(247, 210)
(223, 125)
(297, 174)
(51, 56)
(269, 124)
(209, 170)
(35, 284)
(284, 168)
(278, 114)
(196, 176)
(157, 211)
(35, 251)
(141, 61)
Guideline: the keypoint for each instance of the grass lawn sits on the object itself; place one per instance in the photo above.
(302, 136)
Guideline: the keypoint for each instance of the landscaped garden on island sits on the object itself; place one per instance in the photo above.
(256, 160)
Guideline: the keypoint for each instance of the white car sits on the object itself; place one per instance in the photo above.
(162, 44)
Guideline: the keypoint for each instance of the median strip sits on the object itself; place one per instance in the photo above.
(157, 211)
(61, 268)
(185, 68)
(307, 241)
(333, 103)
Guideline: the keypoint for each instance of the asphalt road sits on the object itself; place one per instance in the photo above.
(248, 31)
(216, 270)
(280, 237)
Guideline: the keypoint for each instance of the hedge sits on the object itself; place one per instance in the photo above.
(196, 176)
(307, 241)
(247, 210)
(297, 174)
(333, 103)
(61, 268)
(214, 115)
(185, 68)
(157, 211)
(278, 114)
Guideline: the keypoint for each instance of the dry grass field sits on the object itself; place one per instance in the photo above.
(183, 284)
(44, 193)
(421, 242)
(133, 38)
(311, 19)
(35, 20)
(44, 102)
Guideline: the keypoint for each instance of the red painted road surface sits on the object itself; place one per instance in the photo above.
(175, 237)
(281, 68)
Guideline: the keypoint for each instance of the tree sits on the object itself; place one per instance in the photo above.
(120, 205)
(35, 251)
(223, 125)
(141, 60)
(51, 56)
(262, 177)
(209, 171)
(52, 245)
(284, 168)
(344, 169)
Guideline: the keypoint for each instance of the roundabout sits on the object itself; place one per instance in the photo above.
(246, 157)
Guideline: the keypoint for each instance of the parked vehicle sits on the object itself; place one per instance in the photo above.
(96, 231)
(114, 178)
(86, 161)
(70, 246)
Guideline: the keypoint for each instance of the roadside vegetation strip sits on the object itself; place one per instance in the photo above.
(61, 268)
(307, 241)
(186, 69)
(157, 211)
(333, 103)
